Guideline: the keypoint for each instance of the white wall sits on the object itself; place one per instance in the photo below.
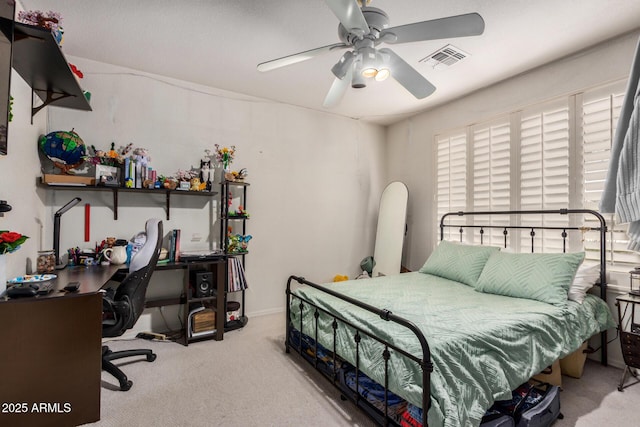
(18, 172)
(315, 178)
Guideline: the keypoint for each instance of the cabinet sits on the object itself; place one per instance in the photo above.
(629, 328)
(234, 221)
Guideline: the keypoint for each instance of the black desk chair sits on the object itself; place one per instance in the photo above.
(122, 306)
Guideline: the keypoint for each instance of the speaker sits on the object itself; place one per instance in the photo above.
(202, 283)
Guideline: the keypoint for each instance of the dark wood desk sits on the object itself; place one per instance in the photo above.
(50, 357)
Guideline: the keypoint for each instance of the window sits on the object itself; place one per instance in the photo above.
(551, 156)
(544, 163)
(600, 113)
(492, 175)
(452, 174)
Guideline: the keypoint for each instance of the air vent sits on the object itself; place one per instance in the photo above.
(445, 57)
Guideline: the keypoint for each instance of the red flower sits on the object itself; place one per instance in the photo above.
(9, 236)
(10, 241)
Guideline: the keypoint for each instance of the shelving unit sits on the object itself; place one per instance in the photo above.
(116, 190)
(38, 59)
(225, 219)
(189, 300)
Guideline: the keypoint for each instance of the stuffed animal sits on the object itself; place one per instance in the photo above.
(141, 155)
(205, 173)
(195, 184)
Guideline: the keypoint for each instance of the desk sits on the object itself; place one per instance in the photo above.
(50, 362)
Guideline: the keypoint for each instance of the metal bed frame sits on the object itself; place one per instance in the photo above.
(425, 361)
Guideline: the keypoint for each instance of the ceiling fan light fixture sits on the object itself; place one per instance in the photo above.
(369, 72)
(382, 74)
(383, 67)
(369, 62)
(358, 81)
(341, 67)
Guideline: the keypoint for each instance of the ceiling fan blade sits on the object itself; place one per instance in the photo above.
(337, 90)
(298, 57)
(350, 16)
(470, 24)
(407, 76)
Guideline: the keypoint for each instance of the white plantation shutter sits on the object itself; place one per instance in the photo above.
(491, 176)
(544, 170)
(452, 175)
(600, 113)
(553, 156)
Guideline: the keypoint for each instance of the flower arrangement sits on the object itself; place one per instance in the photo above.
(183, 175)
(225, 155)
(10, 241)
(49, 20)
(112, 157)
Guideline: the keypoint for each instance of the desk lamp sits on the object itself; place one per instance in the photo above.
(56, 230)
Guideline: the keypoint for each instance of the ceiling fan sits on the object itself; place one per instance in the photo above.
(362, 29)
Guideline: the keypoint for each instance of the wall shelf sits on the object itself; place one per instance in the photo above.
(116, 190)
(38, 59)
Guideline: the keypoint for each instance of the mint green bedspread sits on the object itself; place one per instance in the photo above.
(482, 345)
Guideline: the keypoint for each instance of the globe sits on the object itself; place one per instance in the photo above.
(65, 149)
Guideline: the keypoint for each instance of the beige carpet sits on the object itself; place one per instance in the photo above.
(248, 380)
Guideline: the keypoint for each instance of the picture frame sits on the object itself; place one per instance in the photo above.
(108, 175)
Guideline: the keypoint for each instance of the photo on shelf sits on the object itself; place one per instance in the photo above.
(108, 175)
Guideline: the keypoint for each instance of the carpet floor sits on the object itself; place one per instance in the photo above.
(248, 380)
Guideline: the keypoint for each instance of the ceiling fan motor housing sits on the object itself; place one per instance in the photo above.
(377, 20)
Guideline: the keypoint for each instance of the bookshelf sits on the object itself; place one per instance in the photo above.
(236, 219)
(213, 299)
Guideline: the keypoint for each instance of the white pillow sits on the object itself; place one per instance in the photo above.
(586, 276)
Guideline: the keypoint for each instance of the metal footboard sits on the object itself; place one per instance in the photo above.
(424, 362)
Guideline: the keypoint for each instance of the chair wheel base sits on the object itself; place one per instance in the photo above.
(107, 363)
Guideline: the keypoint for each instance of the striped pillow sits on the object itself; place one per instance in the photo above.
(455, 261)
(540, 277)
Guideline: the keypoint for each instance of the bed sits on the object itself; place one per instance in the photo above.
(443, 343)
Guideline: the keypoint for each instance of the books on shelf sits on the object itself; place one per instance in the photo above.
(136, 172)
(237, 280)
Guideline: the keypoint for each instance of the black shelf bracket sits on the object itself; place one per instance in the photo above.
(168, 206)
(115, 204)
(50, 98)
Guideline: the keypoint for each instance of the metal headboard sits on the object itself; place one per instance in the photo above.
(602, 229)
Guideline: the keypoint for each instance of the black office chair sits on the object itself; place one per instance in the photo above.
(122, 306)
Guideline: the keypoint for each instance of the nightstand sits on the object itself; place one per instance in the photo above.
(629, 328)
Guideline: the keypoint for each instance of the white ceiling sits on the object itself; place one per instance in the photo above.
(218, 43)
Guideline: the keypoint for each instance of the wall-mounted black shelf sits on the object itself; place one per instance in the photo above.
(117, 190)
(38, 59)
